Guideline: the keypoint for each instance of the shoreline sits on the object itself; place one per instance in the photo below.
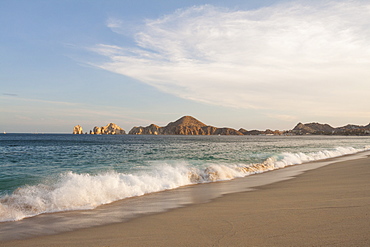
(198, 223)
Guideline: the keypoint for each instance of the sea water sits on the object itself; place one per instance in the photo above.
(48, 173)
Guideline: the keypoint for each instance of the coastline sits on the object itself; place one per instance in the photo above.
(324, 206)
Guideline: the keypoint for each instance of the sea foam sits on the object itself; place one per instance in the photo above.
(73, 191)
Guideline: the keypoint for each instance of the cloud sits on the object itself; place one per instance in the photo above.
(287, 118)
(47, 102)
(300, 56)
(10, 94)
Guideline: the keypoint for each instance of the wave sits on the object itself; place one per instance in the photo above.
(72, 191)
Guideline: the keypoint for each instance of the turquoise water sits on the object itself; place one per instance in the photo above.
(52, 173)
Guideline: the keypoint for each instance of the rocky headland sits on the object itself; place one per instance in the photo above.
(188, 125)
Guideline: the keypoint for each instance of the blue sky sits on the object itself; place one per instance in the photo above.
(250, 64)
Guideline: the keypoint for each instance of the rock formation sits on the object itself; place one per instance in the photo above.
(186, 125)
(77, 130)
(96, 130)
(110, 129)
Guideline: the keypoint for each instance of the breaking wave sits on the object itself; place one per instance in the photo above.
(72, 191)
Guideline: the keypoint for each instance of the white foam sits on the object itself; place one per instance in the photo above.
(72, 191)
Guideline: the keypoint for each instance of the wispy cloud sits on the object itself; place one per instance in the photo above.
(10, 94)
(287, 118)
(303, 56)
(50, 102)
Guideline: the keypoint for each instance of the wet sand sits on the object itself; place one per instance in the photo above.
(328, 206)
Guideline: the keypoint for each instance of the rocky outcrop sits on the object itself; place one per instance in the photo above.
(109, 129)
(77, 130)
(96, 130)
(186, 125)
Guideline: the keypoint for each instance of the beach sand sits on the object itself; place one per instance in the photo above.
(328, 206)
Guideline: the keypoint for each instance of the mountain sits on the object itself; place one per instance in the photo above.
(186, 125)
(313, 128)
(351, 129)
(325, 129)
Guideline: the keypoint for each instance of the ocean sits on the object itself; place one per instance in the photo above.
(65, 179)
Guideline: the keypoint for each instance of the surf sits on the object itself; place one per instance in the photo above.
(84, 191)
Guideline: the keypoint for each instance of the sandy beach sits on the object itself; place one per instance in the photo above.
(328, 206)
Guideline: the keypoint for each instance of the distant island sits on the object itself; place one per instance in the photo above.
(188, 125)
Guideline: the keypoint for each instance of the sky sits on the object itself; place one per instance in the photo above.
(252, 64)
